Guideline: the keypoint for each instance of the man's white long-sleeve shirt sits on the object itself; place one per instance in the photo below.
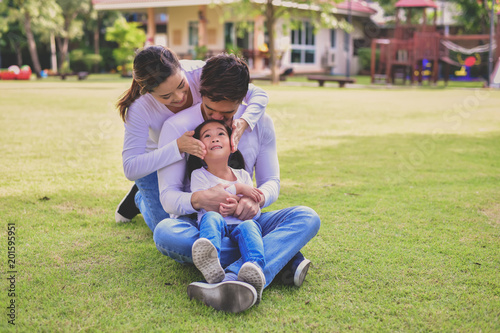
(258, 147)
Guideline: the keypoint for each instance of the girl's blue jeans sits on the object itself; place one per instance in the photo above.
(247, 234)
(284, 233)
(147, 199)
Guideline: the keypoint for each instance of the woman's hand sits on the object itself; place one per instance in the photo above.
(228, 208)
(239, 127)
(190, 145)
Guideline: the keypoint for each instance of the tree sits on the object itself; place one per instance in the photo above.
(475, 16)
(129, 38)
(31, 16)
(71, 25)
(319, 10)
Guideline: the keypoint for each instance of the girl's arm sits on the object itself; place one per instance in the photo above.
(247, 190)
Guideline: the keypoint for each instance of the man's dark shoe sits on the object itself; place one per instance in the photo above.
(127, 209)
(301, 272)
(228, 296)
(295, 272)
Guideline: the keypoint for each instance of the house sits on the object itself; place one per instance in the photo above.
(187, 26)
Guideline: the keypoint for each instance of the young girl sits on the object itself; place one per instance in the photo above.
(162, 86)
(214, 226)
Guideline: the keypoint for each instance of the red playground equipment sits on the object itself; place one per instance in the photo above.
(417, 48)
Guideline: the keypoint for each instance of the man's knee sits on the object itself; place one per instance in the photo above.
(309, 218)
(170, 243)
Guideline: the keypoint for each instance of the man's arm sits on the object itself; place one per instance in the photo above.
(267, 172)
(267, 169)
(171, 178)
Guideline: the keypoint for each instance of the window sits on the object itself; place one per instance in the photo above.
(347, 39)
(238, 36)
(333, 38)
(193, 33)
(303, 44)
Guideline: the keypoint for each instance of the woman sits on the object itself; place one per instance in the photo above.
(162, 86)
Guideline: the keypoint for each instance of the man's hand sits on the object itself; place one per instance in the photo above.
(239, 127)
(190, 145)
(247, 209)
(211, 199)
(228, 208)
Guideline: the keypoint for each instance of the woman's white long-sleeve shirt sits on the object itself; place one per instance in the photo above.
(145, 118)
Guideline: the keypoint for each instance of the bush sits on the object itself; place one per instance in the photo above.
(83, 62)
(365, 57)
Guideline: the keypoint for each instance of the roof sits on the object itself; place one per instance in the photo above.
(416, 3)
(135, 4)
(357, 5)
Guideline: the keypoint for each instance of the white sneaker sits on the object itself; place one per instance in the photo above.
(205, 258)
(228, 296)
(252, 274)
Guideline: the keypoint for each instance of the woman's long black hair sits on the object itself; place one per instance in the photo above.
(236, 160)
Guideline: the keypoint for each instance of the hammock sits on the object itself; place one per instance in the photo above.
(478, 49)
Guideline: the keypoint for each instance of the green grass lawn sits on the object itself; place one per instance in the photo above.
(406, 182)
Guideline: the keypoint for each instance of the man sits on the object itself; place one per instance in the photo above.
(224, 83)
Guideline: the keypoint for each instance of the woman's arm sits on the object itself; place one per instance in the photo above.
(137, 162)
(256, 100)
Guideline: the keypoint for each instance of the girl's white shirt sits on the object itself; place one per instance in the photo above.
(202, 179)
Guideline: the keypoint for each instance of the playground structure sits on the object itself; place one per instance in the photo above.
(417, 49)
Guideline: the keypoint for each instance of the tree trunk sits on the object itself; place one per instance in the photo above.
(32, 45)
(270, 23)
(64, 43)
(96, 43)
(19, 54)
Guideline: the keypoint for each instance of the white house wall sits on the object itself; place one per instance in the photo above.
(322, 50)
(179, 18)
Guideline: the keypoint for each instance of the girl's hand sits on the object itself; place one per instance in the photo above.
(239, 127)
(227, 209)
(190, 145)
(249, 191)
(255, 194)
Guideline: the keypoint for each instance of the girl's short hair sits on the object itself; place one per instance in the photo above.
(236, 160)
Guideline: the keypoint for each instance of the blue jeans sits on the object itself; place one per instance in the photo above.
(247, 234)
(147, 199)
(284, 233)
